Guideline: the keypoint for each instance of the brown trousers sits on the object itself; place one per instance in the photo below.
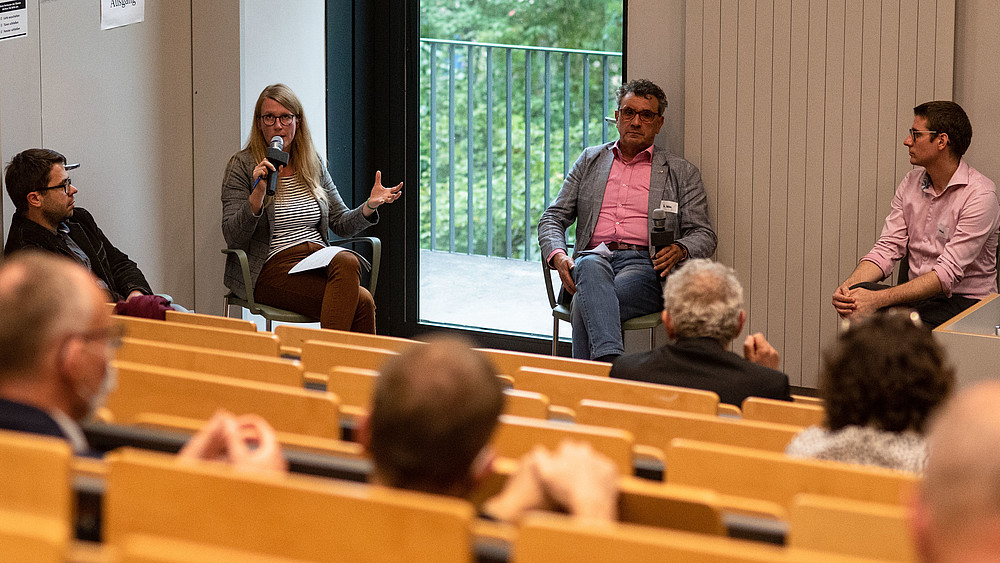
(334, 295)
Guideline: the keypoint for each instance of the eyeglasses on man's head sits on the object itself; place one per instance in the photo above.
(65, 185)
(645, 116)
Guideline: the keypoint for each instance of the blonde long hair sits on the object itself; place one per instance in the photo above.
(303, 153)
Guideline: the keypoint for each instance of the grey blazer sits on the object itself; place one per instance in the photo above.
(252, 233)
(672, 179)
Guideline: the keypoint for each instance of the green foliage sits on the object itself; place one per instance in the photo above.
(577, 24)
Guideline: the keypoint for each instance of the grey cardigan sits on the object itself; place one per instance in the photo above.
(252, 233)
(672, 179)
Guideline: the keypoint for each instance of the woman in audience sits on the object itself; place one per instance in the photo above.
(881, 381)
(278, 231)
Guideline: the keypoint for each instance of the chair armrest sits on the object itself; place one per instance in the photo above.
(376, 245)
(245, 268)
(549, 290)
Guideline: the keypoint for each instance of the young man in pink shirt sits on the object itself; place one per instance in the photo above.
(611, 193)
(944, 217)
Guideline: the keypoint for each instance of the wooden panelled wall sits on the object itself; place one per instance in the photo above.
(795, 112)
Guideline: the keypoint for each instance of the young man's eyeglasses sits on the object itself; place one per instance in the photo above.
(915, 133)
(645, 116)
(65, 185)
(285, 119)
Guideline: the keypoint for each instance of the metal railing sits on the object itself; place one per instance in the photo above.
(528, 113)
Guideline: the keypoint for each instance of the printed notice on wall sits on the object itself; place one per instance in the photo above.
(13, 19)
(116, 13)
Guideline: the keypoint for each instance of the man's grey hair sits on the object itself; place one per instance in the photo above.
(643, 88)
(704, 299)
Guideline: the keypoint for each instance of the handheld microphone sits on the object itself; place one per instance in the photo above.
(277, 157)
(660, 237)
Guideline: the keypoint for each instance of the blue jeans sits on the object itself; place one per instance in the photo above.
(609, 292)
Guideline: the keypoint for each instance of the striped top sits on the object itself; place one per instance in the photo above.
(296, 216)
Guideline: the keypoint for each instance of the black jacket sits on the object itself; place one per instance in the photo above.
(121, 275)
(703, 363)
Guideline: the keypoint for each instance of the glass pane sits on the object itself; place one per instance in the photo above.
(510, 94)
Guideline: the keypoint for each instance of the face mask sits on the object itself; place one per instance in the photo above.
(99, 397)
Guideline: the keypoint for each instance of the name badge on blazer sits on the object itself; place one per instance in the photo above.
(668, 206)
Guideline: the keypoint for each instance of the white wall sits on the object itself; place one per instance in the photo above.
(153, 111)
(976, 77)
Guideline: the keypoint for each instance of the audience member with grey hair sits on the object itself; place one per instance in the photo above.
(703, 313)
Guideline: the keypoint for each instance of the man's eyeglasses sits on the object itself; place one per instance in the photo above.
(111, 336)
(285, 119)
(645, 116)
(915, 133)
(65, 185)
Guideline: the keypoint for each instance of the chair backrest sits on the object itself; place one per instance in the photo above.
(508, 362)
(851, 527)
(354, 386)
(263, 343)
(525, 403)
(783, 412)
(217, 362)
(776, 477)
(552, 538)
(292, 336)
(515, 436)
(214, 321)
(657, 427)
(272, 514)
(143, 548)
(321, 357)
(670, 506)
(568, 389)
(36, 477)
(32, 538)
(150, 389)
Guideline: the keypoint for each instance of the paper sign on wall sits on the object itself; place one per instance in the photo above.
(13, 19)
(116, 13)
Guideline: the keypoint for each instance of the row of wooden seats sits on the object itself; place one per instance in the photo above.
(148, 496)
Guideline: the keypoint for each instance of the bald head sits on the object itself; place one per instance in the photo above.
(41, 296)
(434, 409)
(958, 509)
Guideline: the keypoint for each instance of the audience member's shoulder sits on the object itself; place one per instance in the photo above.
(630, 366)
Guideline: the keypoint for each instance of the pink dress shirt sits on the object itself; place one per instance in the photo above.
(623, 216)
(953, 234)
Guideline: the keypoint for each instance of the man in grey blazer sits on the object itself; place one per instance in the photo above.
(611, 192)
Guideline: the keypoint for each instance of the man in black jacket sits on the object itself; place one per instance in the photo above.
(46, 218)
(703, 314)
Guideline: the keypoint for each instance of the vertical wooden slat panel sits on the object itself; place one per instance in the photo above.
(693, 88)
(851, 139)
(832, 177)
(797, 134)
(816, 135)
(944, 61)
(710, 108)
(742, 253)
(803, 107)
(779, 200)
(926, 11)
(890, 134)
(870, 129)
(727, 136)
(758, 254)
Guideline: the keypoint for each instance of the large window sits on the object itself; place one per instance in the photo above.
(510, 93)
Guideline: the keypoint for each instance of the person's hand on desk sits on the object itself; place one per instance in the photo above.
(381, 194)
(245, 442)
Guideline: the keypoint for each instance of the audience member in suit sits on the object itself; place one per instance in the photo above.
(56, 338)
(47, 219)
(944, 220)
(702, 315)
(434, 410)
(955, 515)
(881, 381)
(611, 193)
